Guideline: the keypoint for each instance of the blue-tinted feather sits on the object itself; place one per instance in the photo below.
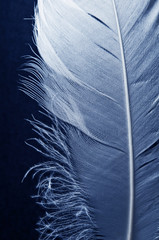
(108, 102)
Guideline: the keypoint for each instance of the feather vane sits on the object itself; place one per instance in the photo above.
(98, 77)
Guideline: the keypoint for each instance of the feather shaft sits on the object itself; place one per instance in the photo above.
(129, 128)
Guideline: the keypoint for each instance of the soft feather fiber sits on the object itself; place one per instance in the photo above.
(97, 77)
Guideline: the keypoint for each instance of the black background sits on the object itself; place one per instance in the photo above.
(18, 211)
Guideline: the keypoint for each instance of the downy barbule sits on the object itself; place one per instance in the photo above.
(97, 79)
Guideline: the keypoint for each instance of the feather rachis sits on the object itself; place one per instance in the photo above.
(129, 128)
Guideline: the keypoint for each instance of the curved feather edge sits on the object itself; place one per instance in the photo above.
(67, 213)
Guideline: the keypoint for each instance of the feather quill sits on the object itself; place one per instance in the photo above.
(97, 79)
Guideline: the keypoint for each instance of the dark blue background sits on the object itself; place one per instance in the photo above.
(18, 212)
